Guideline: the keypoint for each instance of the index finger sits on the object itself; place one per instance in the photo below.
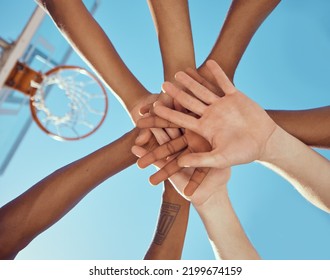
(223, 81)
(155, 121)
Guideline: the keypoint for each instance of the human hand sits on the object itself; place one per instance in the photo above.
(169, 153)
(179, 179)
(212, 181)
(146, 135)
(189, 141)
(237, 128)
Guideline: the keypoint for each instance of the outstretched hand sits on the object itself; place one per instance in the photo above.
(213, 181)
(188, 142)
(236, 127)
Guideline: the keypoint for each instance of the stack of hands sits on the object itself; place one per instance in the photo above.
(218, 132)
(194, 132)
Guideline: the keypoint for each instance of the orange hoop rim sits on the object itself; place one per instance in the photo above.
(87, 73)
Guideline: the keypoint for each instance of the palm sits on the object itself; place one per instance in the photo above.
(213, 182)
(237, 128)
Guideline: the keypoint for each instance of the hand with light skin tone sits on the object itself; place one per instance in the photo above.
(171, 17)
(212, 203)
(242, 21)
(240, 131)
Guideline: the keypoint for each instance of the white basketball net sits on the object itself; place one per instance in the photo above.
(85, 108)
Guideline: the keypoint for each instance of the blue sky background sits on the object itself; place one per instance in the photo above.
(286, 66)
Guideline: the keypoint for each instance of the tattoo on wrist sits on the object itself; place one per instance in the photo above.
(168, 213)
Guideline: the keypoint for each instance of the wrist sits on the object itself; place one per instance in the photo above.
(275, 146)
(215, 201)
(170, 194)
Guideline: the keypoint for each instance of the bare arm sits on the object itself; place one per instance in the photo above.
(171, 229)
(256, 135)
(309, 126)
(89, 40)
(25, 217)
(224, 230)
(172, 23)
(243, 19)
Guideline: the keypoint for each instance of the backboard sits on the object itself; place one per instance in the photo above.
(41, 46)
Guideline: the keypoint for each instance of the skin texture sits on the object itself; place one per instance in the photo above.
(171, 17)
(42, 205)
(73, 21)
(171, 228)
(243, 20)
(54, 196)
(240, 131)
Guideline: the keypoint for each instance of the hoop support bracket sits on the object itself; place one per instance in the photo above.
(22, 78)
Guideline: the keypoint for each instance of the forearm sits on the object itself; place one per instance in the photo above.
(224, 230)
(89, 40)
(172, 22)
(309, 126)
(307, 170)
(172, 225)
(243, 19)
(22, 219)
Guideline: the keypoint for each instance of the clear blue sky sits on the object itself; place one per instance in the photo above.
(286, 66)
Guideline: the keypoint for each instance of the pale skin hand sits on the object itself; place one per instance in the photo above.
(242, 21)
(240, 131)
(212, 203)
(171, 17)
(221, 119)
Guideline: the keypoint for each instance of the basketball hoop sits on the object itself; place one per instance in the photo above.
(67, 102)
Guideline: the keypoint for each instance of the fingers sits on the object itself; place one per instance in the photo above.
(173, 133)
(143, 137)
(178, 118)
(154, 121)
(195, 180)
(162, 152)
(160, 135)
(165, 172)
(201, 92)
(193, 73)
(186, 100)
(223, 81)
(209, 159)
(139, 151)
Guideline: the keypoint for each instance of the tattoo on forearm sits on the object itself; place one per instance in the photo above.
(167, 217)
